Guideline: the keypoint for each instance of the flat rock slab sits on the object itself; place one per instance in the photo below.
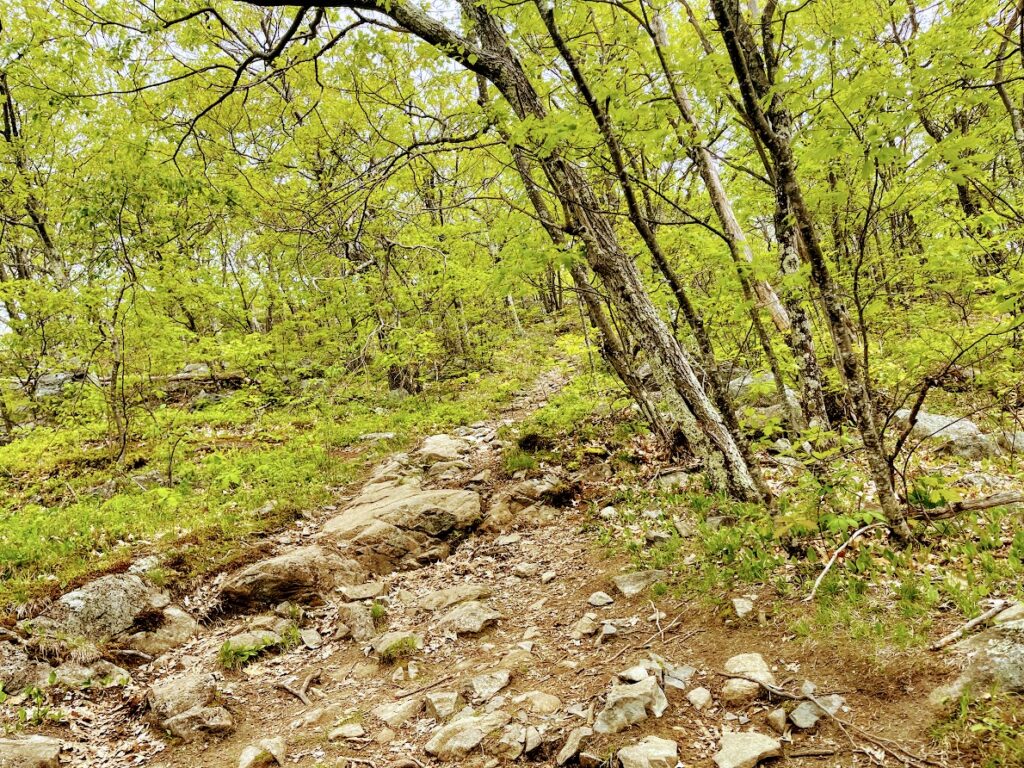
(628, 705)
(445, 598)
(299, 576)
(995, 659)
(30, 752)
(101, 609)
(651, 752)
(745, 750)
(470, 618)
(458, 738)
(632, 584)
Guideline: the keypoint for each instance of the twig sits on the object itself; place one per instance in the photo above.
(423, 688)
(856, 534)
(1001, 499)
(131, 653)
(952, 637)
(301, 692)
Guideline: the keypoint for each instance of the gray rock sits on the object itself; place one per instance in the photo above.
(394, 645)
(537, 702)
(456, 739)
(484, 687)
(627, 705)
(399, 712)
(599, 599)
(470, 618)
(366, 591)
(586, 626)
(199, 721)
(346, 731)
(807, 714)
(358, 619)
(777, 720)
(632, 584)
(264, 752)
(398, 523)
(745, 750)
(960, 437)
(19, 671)
(739, 692)
(311, 638)
(650, 752)
(442, 448)
(512, 742)
(1014, 612)
(100, 674)
(176, 628)
(751, 665)
(573, 743)
(30, 752)
(441, 705)
(525, 570)
(300, 575)
(175, 695)
(699, 698)
(102, 609)
(445, 598)
(995, 659)
(742, 607)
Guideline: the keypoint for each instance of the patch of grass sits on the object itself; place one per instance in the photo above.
(988, 731)
(518, 460)
(214, 475)
(235, 656)
(398, 650)
(379, 613)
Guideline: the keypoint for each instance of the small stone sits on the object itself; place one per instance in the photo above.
(650, 752)
(627, 705)
(525, 570)
(745, 750)
(311, 638)
(394, 645)
(263, 752)
(572, 745)
(445, 598)
(367, 591)
(471, 618)
(346, 731)
(632, 584)
(738, 691)
(751, 665)
(547, 577)
(742, 607)
(441, 705)
(538, 702)
(385, 736)
(807, 714)
(699, 698)
(485, 686)
(634, 674)
(586, 626)
(777, 720)
(599, 599)
(397, 713)
(608, 513)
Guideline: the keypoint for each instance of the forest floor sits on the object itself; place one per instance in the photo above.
(539, 574)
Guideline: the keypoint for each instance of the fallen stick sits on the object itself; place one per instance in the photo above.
(423, 688)
(1001, 499)
(301, 692)
(835, 556)
(952, 637)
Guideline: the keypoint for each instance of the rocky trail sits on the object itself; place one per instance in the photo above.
(440, 617)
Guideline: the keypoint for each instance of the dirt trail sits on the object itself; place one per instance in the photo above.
(540, 578)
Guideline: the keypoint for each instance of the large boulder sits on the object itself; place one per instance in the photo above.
(186, 706)
(300, 575)
(994, 659)
(950, 434)
(120, 608)
(18, 670)
(437, 448)
(398, 523)
(101, 609)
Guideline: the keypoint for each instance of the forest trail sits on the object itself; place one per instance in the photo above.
(524, 638)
